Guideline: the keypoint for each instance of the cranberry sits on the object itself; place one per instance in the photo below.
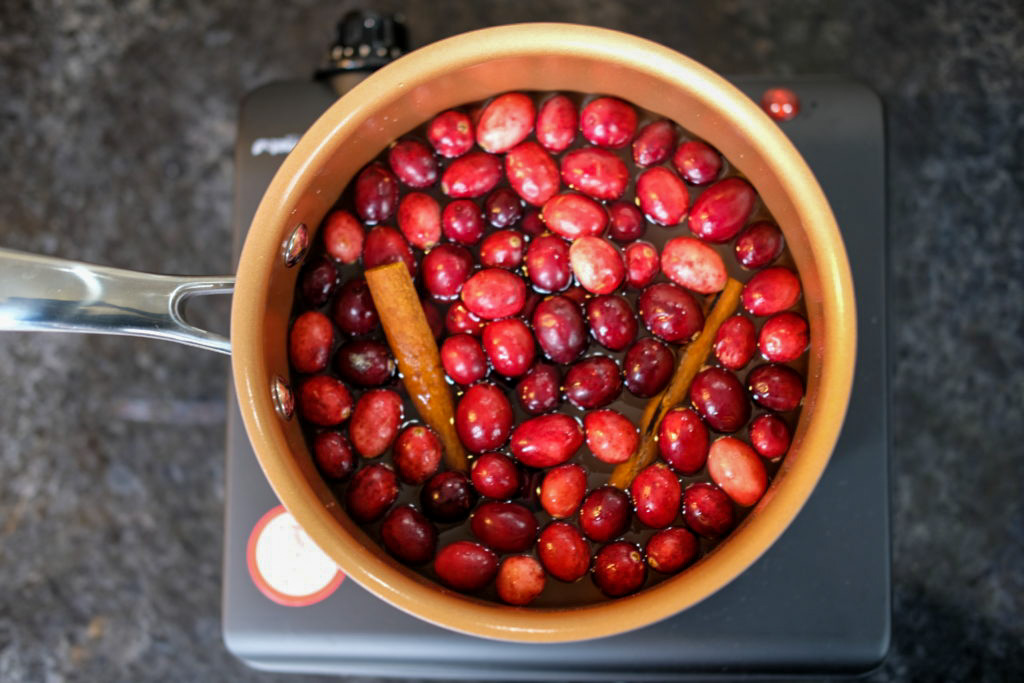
(735, 342)
(371, 493)
(605, 514)
(408, 535)
(466, 566)
(494, 293)
(376, 193)
(324, 401)
(781, 104)
(783, 337)
(662, 196)
(769, 435)
(414, 163)
(472, 175)
(619, 569)
(563, 551)
(722, 209)
(611, 437)
(509, 346)
(683, 441)
(556, 123)
(559, 327)
(574, 215)
(417, 454)
(593, 382)
(578, 295)
(771, 291)
(697, 163)
(333, 455)
(435, 321)
(496, 476)
(463, 359)
(759, 244)
(547, 263)
(459, 319)
(563, 489)
(670, 550)
(462, 221)
(506, 527)
(776, 387)
(597, 264)
(447, 497)
(419, 219)
(670, 312)
(365, 362)
(546, 440)
(626, 224)
(531, 172)
(720, 399)
(318, 280)
(483, 418)
(737, 470)
(540, 390)
(612, 321)
(503, 208)
(445, 269)
(532, 224)
(707, 510)
(595, 172)
(694, 265)
(343, 236)
(505, 122)
(654, 144)
(387, 245)
(502, 249)
(309, 343)
(520, 580)
(375, 422)
(642, 264)
(451, 134)
(608, 122)
(647, 367)
(656, 493)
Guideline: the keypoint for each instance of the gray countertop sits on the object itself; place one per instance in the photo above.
(116, 131)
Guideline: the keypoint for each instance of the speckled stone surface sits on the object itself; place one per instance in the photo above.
(116, 134)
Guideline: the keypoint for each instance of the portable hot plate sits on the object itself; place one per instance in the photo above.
(818, 602)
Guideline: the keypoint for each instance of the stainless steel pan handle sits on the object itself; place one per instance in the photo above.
(57, 295)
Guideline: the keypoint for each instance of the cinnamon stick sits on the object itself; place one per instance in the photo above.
(678, 387)
(409, 336)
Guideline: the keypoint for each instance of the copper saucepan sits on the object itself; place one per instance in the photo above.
(40, 293)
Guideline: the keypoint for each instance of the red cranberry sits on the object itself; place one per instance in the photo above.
(451, 134)
(546, 440)
(343, 236)
(626, 224)
(578, 295)
(697, 163)
(532, 173)
(642, 264)
(376, 193)
(563, 551)
(318, 280)
(783, 337)
(722, 209)
(509, 346)
(556, 123)
(593, 382)
(612, 321)
(472, 175)
(771, 291)
(419, 219)
(662, 196)
(445, 269)
(408, 535)
(462, 221)
(781, 104)
(720, 399)
(656, 493)
(694, 265)
(559, 327)
(547, 263)
(365, 362)
(483, 418)
(502, 249)
(387, 245)
(447, 497)
(574, 215)
(735, 342)
(595, 172)
(494, 293)
(506, 527)
(608, 122)
(776, 387)
(647, 367)
(503, 208)
(737, 470)
(435, 321)
(563, 489)
(333, 455)
(460, 320)
(466, 566)
(414, 163)
(605, 514)
(540, 390)
(375, 422)
(496, 476)
(683, 441)
(707, 510)
(463, 359)
(670, 550)
(670, 312)
(759, 244)
(309, 342)
(324, 401)
(619, 569)
(532, 224)
(655, 142)
(417, 454)
(611, 437)
(769, 436)
(371, 493)
(597, 264)
(520, 580)
(505, 122)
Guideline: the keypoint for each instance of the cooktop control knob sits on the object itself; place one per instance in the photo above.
(366, 41)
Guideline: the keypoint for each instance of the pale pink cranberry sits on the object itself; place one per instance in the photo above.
(483, 418)
(556, 123)
(532, 172)
(656, 494)
(371, 492)
(375, 422)
(735, 467)
(505, 122)
(670, 313)
(419, 219)
(494, 293)
(593, 382)
(324, 401)
(662, 196)
(776, 387)
(769, 435)
(611, 436)
(781, 104)
(353, 309)
(446, 268)
(333, 455)
(626, 224)
(417, 454)
(414, 163)
(563, 551)
(720, 399)
(654, 143)
(595, 172)
(771, 291)
(462, 221)
(707, 510)
(502, 249)
(466, 566)
(547, 263)
(505, 527)
(387, 245)
(343, 236)
(694, 265)
(597, 264)
(472, 175)
(683, 441)
(463, 359)
(496, 476)
(647, 367)
(451, 133)
(540, 390)
(558, 325)
(784, 337)
(697, 163)
(503, 208)
(310, 340)
(608, 122)
(605, 514)
(408, 535)
(458, 319)
(642, 264)
(735, 342)
(671, 550)
(573, 215)
(619, 569)
(509, 346)
(520, 580)
(722, 210)
(759, 244)
(612, 321)
(376, 193)
(546, 440)
(562, 490)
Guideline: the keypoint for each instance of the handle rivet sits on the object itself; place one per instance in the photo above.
(284, 401)
(295, 247)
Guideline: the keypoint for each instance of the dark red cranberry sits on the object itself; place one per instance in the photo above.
(445, 269)
(458, 319)
(505, 122)
(532, 300)
(556, 123)
(781, 104)
(642, 264)
(559, 327)
(722, 209)
(472, 175)
(647, 367)
(593, 382)
(572, 215)
(494, 293)
(783, 337)
(417, 454)
(697, 163)
(595, 172)
(435, 321)
(563, 551)
(683, 441)
(776, 387)
(694, 265)
(662, 196)
(654, 143)
(496, 476)
(578, 295)
(372, 491)
(608, 122)
(769, 435)
(737, 470)
(759, 244)
(735, 342)
(720, 399)
(532, 224)
(451, 133)
(343, 236)
(463, 359)
(563, 489)
(447, 497)
(531, 172)
(387, 245)
(408, 535)
(310, 340)
(502, 249)
(414, 163)
(466, 566)
(597, 264)
(376, 193)
(506, 527)
(619, 569)
(520, 580)
(547, 263)
(670, 313)
(540, 390)
(771, 291)
(324, 401)
(483, 418)
(462, 221)
(605, 514)
(611, 437)
(656, 494)
(365, 362)
(671, 550)
(707, 510)
(509, 346)
(419, 219)
(333, 455)
(612, 321)
(375, 421)
(546, 440)
(626, 224)
(318, 280)
(503, 208)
